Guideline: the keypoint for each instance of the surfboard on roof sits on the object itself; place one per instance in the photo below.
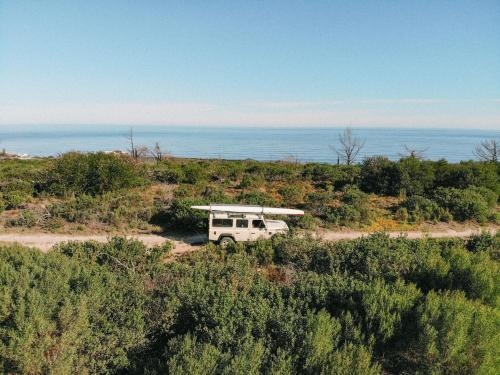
(244, 209)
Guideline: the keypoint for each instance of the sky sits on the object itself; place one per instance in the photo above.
(251, 63)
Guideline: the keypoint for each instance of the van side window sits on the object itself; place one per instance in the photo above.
(240, 223)
(258, 224)
(227, 223)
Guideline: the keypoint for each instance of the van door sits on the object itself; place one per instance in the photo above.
(241, 230)
(257, 230)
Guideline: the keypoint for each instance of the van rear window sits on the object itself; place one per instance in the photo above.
(222, 223)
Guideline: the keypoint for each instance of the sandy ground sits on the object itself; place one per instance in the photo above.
(44, 241)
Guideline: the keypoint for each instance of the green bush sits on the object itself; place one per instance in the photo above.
(26, 218)
(256, 198)
(458, 336)
(402, 214)
(416, 177)
(250, 180)
(181, 216)
(421, 209)
(379, 175)
(291, 194)
(489, 196)
(168, 173)
(354, 208)
(467, 174)
(77, 210)
(485, 242)
(15, 199)
(327, 175)
(64, 315)
(464, 205)
(306, 221)
(290, 305)
(92, 174)
(194, 173)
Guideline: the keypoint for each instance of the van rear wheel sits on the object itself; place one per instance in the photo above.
(224, 242)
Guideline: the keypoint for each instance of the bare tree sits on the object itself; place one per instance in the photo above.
(158, 153)
(349, 147)
(132, 150)
(409, 152)
(135, 151)
(488, 150)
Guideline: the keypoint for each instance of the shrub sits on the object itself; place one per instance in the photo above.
(17, 191)
(254, 181)
(65, 315)
(77, 210)
(306, 221)
(420, 209)
(379, 175)
(402, 214)
(15, 199)
(458, 336)
(262, 250)
(464, 205)
(416, 177)
(168, 173)
(468, 174)
(385, 307)
(291, 194)
(485, 242)
(256, 198)
(194, 173)
(354, 208)
(183, 217)
(26, 218)
(489, 196)
(328, 175)
(92, 174)
(474, 273)
(279, 171)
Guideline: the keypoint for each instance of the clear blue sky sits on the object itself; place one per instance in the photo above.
(368, 63)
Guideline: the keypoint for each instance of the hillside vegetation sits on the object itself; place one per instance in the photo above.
(294, 305)
(106, 192)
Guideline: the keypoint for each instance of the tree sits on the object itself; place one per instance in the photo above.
(409, 152)
(158, 153)
(488, 150)
(349, 146)
(136, 151)
(132, 150)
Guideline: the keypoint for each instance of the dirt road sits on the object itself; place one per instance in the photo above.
(44, 241)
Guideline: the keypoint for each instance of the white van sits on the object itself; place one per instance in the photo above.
(235, 223)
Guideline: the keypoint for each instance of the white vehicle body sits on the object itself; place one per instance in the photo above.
(229, 223)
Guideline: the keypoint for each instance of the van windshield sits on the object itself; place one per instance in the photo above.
(258, 224)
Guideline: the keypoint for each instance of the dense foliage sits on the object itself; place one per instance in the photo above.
(108, 191)
(293, 305)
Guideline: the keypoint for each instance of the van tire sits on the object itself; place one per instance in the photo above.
(226, 241)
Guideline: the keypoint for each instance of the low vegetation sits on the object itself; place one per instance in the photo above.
(107, 192)
(291, 305)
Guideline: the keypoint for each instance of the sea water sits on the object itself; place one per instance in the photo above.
(273, 143)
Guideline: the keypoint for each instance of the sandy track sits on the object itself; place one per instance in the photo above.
(449, 233)
(44, 241)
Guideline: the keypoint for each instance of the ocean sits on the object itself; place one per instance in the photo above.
(258, 143)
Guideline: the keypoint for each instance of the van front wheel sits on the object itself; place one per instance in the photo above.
(224, 242)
